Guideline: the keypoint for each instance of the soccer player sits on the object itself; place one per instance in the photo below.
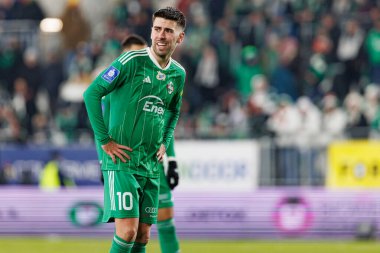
(145, 88)
(165, 225)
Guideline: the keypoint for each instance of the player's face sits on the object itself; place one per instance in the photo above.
(165, 37)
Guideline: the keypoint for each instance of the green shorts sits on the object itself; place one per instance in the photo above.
(165, 198)
(128, 195)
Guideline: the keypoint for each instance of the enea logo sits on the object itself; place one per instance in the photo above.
(86, 214)
(153, 104)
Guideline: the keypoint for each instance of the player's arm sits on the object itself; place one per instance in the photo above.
(92, 99)
(106, 105)
(172, 113)
(170, 118)
(103, 84)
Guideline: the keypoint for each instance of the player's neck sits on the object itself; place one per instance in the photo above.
(162, 61)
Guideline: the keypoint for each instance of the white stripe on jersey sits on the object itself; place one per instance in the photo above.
(111, 184)
(178, 65)
(130, 55)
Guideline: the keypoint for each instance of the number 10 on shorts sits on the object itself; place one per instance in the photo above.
(122, 197)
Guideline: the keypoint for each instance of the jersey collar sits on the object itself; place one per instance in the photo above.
(155, 61)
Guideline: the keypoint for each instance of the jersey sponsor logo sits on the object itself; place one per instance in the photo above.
(153, 104)
(160, 76)
(150, 209)
(147, 80)
(170, 87)
(110, 74)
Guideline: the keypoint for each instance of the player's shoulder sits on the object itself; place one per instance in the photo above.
(178, 66)
(132, 55)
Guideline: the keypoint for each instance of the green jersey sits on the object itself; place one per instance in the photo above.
(106, 115)
(145, 102)
(105, 104)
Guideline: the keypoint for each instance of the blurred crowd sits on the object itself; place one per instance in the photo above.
(304, 71)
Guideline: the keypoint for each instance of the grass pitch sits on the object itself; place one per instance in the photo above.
(101, 245)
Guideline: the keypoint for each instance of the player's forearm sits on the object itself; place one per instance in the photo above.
(92, 99)
(170, 149)
(171, 118)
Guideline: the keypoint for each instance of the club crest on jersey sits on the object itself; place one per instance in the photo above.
(170, 87)
(160, 76)
(110, 74)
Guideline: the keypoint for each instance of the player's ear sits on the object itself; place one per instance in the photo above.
(180, 37)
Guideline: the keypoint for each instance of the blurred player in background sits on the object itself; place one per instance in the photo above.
(145, 88)
(165, 225)
(52, 177)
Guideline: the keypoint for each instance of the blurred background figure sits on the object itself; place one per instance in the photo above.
(52, 176)
(311, 121)
(350, 54)
(334, 120)
(373, 52)
(247, 69)
(285, 123)
(260, 106)
(357, 124)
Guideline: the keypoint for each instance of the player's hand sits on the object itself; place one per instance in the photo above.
(114, 149)
(172, 174)
(160, 153)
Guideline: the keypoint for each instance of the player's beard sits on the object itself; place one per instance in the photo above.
(163, 52)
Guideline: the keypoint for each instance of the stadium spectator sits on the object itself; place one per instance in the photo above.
(247, 69)
(27, 9)
(260, 106)
(75, 26)
(318, 67)
(334, 120)
(11, 57)
(283, 75)
(371, 102)
(66, 121)
(357, 126)
(350, 56)
(10, 129)
(53, 77)
(311, 119)
(285, 123)
(207, 75)
(373, 52)
(24, 105)
(310, 128)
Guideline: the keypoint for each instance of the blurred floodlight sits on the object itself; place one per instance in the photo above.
(51, 25)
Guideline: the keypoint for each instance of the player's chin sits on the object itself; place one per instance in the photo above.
(162, 50)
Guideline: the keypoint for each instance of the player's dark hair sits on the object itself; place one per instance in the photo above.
(133, 39)
(171, 14)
